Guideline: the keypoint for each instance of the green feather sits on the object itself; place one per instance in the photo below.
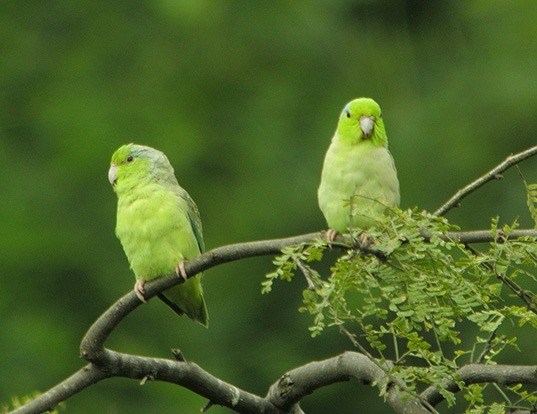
(158, 224)
(359, 179)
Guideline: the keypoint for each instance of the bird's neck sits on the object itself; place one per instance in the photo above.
(378, 138)
(135, 187)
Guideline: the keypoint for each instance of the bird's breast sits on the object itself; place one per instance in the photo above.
(153, 232)
(359, 177)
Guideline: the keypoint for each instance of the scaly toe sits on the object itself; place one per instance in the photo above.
(180, 270)
(363, 240)
(139, 290)
(331, 235)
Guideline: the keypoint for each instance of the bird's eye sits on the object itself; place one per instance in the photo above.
(130, 159)
(348, 114)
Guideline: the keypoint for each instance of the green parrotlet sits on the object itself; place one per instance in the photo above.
(359, 179)
(158, 224)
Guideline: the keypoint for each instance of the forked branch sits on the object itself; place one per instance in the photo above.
(493, 174)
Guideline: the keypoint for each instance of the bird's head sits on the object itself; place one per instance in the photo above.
(132, 165)
(361, 120)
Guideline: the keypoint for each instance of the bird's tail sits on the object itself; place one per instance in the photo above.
(187, 299)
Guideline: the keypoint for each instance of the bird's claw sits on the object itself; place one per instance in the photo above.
(180, 270)
(364, 241)
(331, 235)
(139, 290)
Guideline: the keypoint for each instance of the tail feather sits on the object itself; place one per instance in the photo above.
(187, 299)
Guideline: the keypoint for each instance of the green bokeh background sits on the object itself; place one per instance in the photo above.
(243, 97)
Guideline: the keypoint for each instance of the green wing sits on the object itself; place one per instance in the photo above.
(188, 297)
(194, 217)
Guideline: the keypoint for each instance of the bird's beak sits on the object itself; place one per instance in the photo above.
(366, 125)
(112, 174)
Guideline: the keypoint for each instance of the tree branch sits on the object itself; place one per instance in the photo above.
(93, 342)
(185, 374)
(493, 174)
(527, 296)
(479, 236)
(302, 381)
(479, 373)
(486, 236)
(81, 379)
(105, 363)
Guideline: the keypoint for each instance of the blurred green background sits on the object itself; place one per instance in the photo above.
(243, 97)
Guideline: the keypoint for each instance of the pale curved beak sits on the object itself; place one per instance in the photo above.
(366, 125)
(112, 172)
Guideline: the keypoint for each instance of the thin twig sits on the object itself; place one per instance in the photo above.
(493, 174)
(207, 406)
(306, 271)
(503, 394)
(486, 236)
(488, 346)
(527, 297)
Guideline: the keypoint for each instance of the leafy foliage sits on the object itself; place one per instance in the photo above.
(531, 191)
(409, 291)
(17, 402)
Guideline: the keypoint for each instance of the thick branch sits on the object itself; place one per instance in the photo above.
(191, 376)
(107, 363)
(478, 373)
(283, 396)
(302, 381)
(493, 174)
(185, 374)
(81, 379)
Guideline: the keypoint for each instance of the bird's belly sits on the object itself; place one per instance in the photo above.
(358, 193)
(157, 242)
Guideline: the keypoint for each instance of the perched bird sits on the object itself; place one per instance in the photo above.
(359, 179)
(158, 225)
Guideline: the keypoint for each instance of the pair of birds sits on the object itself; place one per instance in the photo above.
(159, 225)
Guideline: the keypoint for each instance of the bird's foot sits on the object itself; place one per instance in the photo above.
(180, 270)
(364, 241)
(139, 290)
(331, 235)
